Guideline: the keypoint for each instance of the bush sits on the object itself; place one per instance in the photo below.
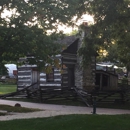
(124, 80)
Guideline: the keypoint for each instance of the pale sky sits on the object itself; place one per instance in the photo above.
(11, 67)
(85, 17)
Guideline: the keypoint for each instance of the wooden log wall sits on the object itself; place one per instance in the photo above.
(49, 85)
(26, 76)
(69, 59)
(65, 77)
(68, 63)
(56, 83)
(61, 78)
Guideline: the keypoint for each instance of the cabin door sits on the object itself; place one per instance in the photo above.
(102, 80)
(71, 79)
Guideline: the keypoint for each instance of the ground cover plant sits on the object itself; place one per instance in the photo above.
(16, 108)
(3, 113)
(70, 122)
(7, 108)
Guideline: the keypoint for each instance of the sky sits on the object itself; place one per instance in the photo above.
(84, 17)
(11, 67)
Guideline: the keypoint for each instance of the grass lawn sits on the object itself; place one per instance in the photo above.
(7, 88)
(70, 122)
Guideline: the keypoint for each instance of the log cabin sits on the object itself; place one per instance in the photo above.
(72, 75)
(72, 72)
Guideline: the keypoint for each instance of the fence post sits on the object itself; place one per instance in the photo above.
(94, 104)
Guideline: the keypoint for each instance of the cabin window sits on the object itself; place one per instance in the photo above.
(50, 76)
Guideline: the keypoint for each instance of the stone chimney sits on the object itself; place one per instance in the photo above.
(85, 77)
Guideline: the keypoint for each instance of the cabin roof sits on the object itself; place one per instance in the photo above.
(70, 44)
(72, 48)
(67, 40)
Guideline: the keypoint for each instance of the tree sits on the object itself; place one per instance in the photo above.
(111, 54)
(3, 70)
(112, 26)
(25, 32)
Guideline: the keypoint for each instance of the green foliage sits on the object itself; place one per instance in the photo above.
(3, 69)
(111, 25)
(124, 80)
(111, 54)
(112, 21)
(89, 44)
(26, 31)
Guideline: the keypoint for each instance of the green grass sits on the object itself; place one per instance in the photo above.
(70, 122)
(7, 88)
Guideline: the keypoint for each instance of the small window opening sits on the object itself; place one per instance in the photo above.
(50, 76)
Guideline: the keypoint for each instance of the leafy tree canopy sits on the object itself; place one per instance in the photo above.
(112, 26)
(25, 32)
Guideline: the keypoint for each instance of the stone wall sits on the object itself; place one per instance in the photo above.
(84, 77)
